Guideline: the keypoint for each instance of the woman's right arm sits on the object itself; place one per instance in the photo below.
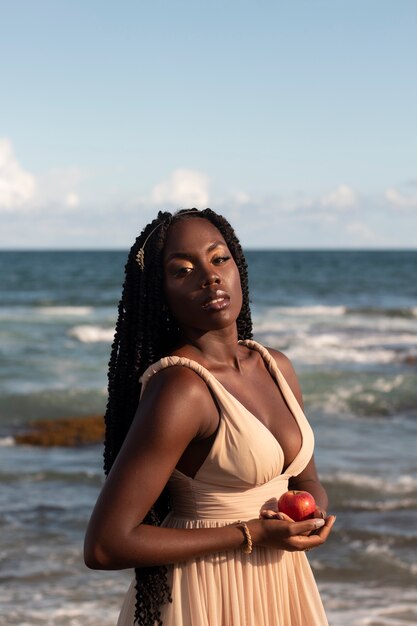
(175, 409)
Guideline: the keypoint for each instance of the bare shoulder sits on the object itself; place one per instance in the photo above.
(287, 369)
(177, 396)
(177, 383)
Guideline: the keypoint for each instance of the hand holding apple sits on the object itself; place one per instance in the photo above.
(298, 505)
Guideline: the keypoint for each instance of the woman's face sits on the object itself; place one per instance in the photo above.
(202, 282)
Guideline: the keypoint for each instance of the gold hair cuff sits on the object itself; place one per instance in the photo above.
(248, 545)
(140, 257)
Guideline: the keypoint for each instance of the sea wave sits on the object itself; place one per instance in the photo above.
(385, 312)
(345, 395)
(307, 347)
(404, 504)
(91, 334)
(64, 477)
(340, 310)
(77, 311)
(378, 552)
(67, 613)
(329, 348)
(6, 442)
(44, 313)
(317, 309)
(350, 604)
(404, 484)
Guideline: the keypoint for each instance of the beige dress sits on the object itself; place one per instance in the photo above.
(242, 472)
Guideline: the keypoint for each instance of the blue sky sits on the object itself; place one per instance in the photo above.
(296, 120)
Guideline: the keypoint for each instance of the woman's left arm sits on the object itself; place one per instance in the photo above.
(308, 480)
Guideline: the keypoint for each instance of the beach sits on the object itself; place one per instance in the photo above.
(347, 320)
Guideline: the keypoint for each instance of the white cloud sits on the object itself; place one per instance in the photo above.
(324, 207)
(240, 197)
(296, 203)
(344, 197)
(184, 187)
(20, 191)
(72, 200)
(64, 205)
(400, 200)
(17, 187)
(57, 190)
(361, 230)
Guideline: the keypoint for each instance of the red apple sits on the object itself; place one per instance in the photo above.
(299, 505)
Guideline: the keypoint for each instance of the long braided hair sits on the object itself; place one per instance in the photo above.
(145, 332)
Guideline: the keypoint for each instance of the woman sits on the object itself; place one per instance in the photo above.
(198, 464)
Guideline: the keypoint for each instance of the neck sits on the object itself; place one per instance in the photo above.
(216, 347)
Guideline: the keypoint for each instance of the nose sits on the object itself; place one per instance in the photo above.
(210, 277)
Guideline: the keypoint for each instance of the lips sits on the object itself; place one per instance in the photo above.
(216, 301)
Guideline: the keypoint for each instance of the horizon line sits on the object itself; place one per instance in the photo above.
(245, 248)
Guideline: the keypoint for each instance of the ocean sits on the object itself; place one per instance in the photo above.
(348, 321)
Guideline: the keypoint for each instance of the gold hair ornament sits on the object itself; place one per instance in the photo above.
(140, 256)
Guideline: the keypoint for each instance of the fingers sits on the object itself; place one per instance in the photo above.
(294, 528)
(269, 509)
(324, 532)
(320, 513)
(313, 541)
(299, 528)
(300, 541)
(271, 514)
(268, 514)
(271, 505)
(281, 532)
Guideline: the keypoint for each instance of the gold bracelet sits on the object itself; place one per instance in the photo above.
(248, 546)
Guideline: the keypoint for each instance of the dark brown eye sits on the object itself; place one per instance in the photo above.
(182, 271)
(220, 259)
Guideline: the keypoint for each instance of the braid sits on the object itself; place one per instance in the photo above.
(145, 332)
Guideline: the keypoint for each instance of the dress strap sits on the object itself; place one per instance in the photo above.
(307, 435)
(169, 361)
(276, 374)
(265, 354)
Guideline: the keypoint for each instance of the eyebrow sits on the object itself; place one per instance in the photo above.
(186, 255)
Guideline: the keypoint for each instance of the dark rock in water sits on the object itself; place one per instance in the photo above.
(69, 431)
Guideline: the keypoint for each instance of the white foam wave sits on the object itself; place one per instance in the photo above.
(384, 505)
(312, 310)
(386, 386)
(347, 399)
(306, 343)
(369, 341)
(330, 348)
(77, 311)
(336, 403)
(345, 347)
(266, 325)
(91, 334)
(382, 551)
(360, 605)
(402, 485)
(80, 613)
(5, 442)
